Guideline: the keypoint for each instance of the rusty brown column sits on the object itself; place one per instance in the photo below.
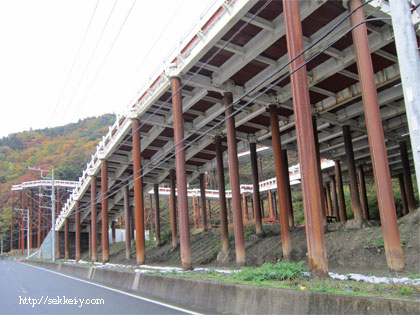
(194, 212)
(203, 202)
(328, 193)
(318, 157)
(138, 194)
(256, 189)
(181, 174)
(57, 233)
(386, 204)
(39, 216)
(311, 190)
(113, 232)
(94, 224)
(90, 238)
(411, 201)
(172, 209)
(30, 222)
(77, 236)
(281, 182)
(133, 222)
(157, 213)
(229, 211)
(127, 223)
(403, 193)
(222, 195)
(363, 194)
(21, 225)
(104, 186)
(244, 207)
(289, 191)
(334, 197)
(234, 181)
(66, 239)
(12, 209)
(351, 170)
(270, 204)
(339, 178)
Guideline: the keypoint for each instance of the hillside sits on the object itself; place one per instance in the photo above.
(66, 148)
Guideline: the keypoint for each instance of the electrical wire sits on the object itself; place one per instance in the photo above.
(105, 59)
(74, 61)
(273, 84)
(89, 61)
(129, 181)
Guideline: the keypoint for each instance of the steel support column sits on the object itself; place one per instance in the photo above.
(203, 202)
(57, 233)
(244, 207)
(339, 178)
(39, 216)
(234, 180)
(411, 201)
(270, 204)
(289, 191)
(104, 186)
(157, 213)
(127, 223)
(256, 189)
(30, 219)
(181, 174)
(138, 194)
(403, 193)
(66, 239)
(21, 225)
(77, 236)
(363, 193)
(381, 172)
(222, 194)
(172, 209)
(113, 232)
(93, 221)
(12, 209)
(281, 183)
(312, 199)
(351, 170)
(334, 197)
(318, 158)
(329, 203)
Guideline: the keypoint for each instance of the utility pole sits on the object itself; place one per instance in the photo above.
(409, 63)
(52, 206)
(23, 228)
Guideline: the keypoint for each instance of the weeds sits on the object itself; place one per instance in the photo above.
(279, 271)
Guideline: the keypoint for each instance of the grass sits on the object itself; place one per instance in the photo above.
(378, 242)
(288, 275)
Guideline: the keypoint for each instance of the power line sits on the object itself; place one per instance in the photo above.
(105, 59)
(235, 112)
(74, 61)
(89, 61)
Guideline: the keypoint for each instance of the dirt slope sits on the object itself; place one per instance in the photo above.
(349, 250)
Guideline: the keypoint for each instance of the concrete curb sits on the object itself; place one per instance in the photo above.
(234, 299)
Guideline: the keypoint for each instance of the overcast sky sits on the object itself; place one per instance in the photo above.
(61, 60)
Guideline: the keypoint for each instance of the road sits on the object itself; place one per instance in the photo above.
(25, 289)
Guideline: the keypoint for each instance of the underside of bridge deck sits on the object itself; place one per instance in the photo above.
(244, 50)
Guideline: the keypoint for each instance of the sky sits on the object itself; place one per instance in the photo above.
(64, 60)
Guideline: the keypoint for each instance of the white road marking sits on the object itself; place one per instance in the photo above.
(122, 292)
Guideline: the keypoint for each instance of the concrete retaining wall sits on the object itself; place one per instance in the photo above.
(236, 299)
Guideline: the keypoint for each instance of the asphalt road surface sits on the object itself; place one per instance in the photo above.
(29, 290)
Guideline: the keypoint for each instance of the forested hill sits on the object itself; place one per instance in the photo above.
(67, 149)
